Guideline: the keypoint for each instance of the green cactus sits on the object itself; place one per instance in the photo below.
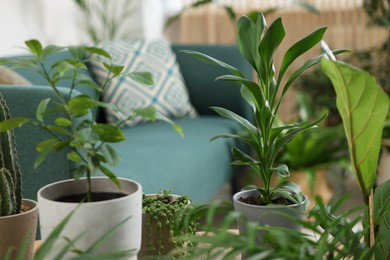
(10, 175)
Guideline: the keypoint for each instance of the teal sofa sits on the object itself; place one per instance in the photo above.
(152, 154)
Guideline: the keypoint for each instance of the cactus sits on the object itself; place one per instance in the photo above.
(10, 175)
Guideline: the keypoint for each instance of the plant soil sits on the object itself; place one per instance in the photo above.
(256, 201)
(96, 196)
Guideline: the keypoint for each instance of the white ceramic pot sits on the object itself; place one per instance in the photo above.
(267, 215)
(95, 218)
(14, 228)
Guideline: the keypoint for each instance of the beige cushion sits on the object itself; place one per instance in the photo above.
(10, 77)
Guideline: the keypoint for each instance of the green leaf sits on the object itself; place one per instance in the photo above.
(114, 69)
(14, 122)
(248, 39)
(148, 113)
(382, 220)
(282, 170)
(78, 52)
(44, 148)
(175, 126)
(110, 155)
(79, 106)
(41, 110)
(34, 46)
(143, 77)
(298, 49)
(98, 51)
(61, 121)
(50, 50)
(109, 133)
(270, 42)
(74, 157)
(110, 175)
(210, 60)
(363, 106)
(57, 129)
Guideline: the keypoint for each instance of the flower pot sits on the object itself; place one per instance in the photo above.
(93, 219)
(14, 228)
(267, 215)
(156, 239)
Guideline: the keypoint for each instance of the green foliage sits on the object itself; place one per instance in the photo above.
(257, 43)
(363, 106)
(10, 175)
(163, 212)
(378, 11)
(326, 235)
(74, 128)
(47, 246)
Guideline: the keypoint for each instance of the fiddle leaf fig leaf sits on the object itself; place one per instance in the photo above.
(363, 106)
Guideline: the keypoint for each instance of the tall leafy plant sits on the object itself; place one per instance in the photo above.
(75, 126)
(258, 43)
(363, 106)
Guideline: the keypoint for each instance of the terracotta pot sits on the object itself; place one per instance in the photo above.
(14, 228)
(267, 215)
(93, 219)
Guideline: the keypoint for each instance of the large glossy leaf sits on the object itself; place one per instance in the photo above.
(363, 106)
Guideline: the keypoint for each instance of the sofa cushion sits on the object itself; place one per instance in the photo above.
(195, 166)
(10, 77)
(169, 94)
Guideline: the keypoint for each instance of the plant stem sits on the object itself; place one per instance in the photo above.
(371, 219)
(89, 186)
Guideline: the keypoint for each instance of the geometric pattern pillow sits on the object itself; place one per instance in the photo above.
(169, 95)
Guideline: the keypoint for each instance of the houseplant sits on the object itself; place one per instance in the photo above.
(74, 128)
(18, 216)
(160, 213)
(257, 44)
(329, 235)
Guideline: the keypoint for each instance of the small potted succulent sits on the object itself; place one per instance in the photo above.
(258, 43)
(18, 216)
(108, 200)
(160, 212)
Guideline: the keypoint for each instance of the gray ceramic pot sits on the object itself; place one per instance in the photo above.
(267, 215)
(15, 227)
(95, 218)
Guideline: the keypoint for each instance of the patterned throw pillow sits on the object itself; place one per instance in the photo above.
(10, 77)
(169, 95)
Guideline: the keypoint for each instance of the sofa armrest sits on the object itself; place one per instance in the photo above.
(200, 77)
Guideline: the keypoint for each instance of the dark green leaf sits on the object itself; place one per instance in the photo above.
(74, 157)
(114, 69)
(80, 105)
(110, 155)
(109, 133)
(110, 175)
(210, 60)
(248, 40)
(44, 148)
(382, 220)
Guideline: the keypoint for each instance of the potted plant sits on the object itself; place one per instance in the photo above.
(111, 200)
(18, 216)
(258, 43)
(160, 214)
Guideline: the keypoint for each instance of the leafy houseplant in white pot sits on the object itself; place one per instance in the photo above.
(108, 201)
(18, 216)
(257, 44)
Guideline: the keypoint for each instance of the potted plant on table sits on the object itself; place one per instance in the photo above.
(18, 216)
(108, 201)
(160, 214)
(258, 44)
